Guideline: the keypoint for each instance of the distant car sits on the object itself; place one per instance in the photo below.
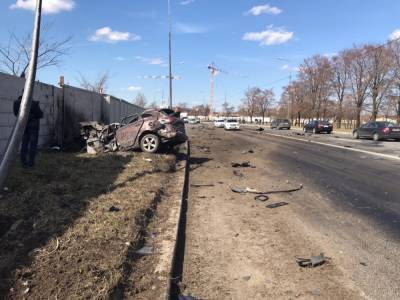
(318, 127)
(232, 124)
(219, 123)
(193, 120)
(377, 131)
(281, 124)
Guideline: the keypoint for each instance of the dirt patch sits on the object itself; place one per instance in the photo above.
(75, 223)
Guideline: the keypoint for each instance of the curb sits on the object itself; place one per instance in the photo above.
(176, 262)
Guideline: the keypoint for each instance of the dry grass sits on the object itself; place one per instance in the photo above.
(61, 239)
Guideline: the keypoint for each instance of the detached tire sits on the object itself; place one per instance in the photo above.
(150, 143)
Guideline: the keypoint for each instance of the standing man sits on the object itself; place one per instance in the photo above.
(31, 134)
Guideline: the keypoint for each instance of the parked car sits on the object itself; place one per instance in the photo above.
(377, 131)
(219, 123)
(193, 120)
(147, 131)
(318, 127)
(231, 124)
(281, 124)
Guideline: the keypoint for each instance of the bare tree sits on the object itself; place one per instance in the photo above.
(263, 101)
(15, 54)
(380, 76)
(395, 100)
(100, 85)
(359, 79)
(340, 78)
(249, 102)
(227, 108)
(140, 100)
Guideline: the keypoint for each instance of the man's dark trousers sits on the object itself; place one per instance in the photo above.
(29, 147)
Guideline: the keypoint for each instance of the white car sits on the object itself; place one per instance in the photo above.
(219, 123)
(193, 121)
(232, 124)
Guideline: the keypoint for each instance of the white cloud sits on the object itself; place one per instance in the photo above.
(329, 55)
(151, 61)
(264, 9)
(120, 58)
(190, 28)
(134, 88)
(395, 35)
(49, 6)
(106, 34)
(287, 67)
(271, 36)
(186, 2)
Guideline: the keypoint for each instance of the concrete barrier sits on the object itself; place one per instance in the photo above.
(63, 109)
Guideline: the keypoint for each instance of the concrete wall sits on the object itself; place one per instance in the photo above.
(115, 109)
(10, 89)
(63, 109)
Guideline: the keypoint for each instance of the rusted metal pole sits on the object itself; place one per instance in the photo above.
(23, 115)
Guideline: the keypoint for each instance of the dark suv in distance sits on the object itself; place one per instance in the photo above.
(377, 131)
(280, 124)
(318, 127)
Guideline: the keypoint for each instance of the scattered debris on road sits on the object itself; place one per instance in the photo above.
(260, 129)
(261, 198)
(245, 164)
(312, 262)
(114, 209)
(247, 151)
(238, 174)
(197, 185)
(254, 191)
(278, 204)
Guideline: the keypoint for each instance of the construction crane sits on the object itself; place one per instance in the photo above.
(214, 71)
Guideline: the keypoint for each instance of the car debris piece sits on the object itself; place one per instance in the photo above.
(261, 198)
(248, 151)
(312, 262)
(202, 185)
(278, 204)
(145, 250)
(182, 297)
(114, 209)
(246, 278)
(254, 191)
(147, 159)
(259, 129)
(245, 164)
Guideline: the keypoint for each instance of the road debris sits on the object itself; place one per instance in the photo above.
(260, 129)
(197, 185)
(147, 159)
(245, 164)
(312, 262)
(246, 278)
(247, 151)
(254, 191)
(145, 250)
(278, 204)
(114, 209)
(261, 198)
(186, 298)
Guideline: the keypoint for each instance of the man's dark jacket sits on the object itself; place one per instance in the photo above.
(34, 116)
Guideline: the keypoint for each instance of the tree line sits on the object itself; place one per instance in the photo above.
(358, 84)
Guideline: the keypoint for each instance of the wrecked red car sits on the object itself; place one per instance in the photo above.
(147, 131)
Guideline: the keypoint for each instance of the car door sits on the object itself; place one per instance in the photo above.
(128, 134)
(373, 127)
(363, 130)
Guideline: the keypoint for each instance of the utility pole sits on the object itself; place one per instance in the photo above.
(170, 53)
(25, 106)
(290, 96)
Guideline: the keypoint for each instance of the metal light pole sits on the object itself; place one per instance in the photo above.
(25, 107)
(170, 53)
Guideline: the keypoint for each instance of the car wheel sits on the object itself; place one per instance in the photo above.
(150, 143)
(314, 131)
(329, 132)
(376, 137)
(356, 135)
(304, 129)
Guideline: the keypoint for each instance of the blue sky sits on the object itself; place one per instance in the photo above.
(258, 43)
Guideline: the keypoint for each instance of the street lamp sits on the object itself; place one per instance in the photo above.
(170, 52)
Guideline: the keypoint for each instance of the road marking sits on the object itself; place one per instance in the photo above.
(337, 146)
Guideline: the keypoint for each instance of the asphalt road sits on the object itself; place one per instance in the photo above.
(353, 204)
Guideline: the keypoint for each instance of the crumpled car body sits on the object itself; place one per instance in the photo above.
(164, 126)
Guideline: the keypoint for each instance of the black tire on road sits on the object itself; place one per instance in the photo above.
(150, 143)
(356, 135)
